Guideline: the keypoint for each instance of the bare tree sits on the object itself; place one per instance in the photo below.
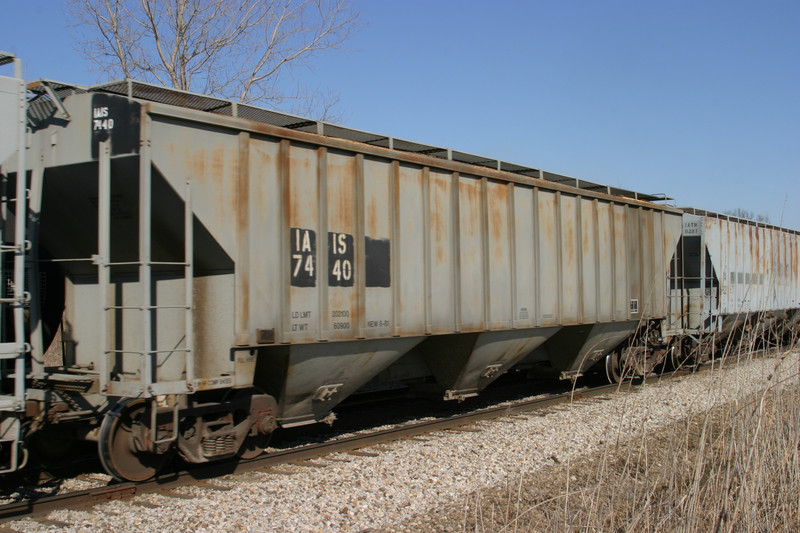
(749, 215)
(237, 49)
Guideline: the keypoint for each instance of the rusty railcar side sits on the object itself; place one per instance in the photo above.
(200, 264)
(337, 241)
(304, 240)
(743, 278)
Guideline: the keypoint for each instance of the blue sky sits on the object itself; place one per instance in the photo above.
(696, 99)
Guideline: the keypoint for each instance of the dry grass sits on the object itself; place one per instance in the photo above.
(734, 468)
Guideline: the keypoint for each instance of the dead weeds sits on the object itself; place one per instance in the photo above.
(734, 468)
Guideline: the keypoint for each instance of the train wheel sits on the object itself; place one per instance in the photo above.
(677, 359)
(613, 369)
(117, 443)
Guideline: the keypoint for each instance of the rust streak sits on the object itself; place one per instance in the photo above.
(568, 234)
(498, 206)
(341, 198)
(303, 186)
(372, 216)
(439, 216)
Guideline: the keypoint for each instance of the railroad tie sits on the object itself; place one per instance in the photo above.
(54, 523)
(212, 486)
(359, 453)
(307, 463)
(148, 505)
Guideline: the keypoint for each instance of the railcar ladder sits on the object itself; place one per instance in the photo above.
(148, 385)
(13, 348)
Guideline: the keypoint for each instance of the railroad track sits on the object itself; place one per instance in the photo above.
(38, 506)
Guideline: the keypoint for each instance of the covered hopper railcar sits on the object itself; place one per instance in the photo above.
(731, 276)
(192, 273)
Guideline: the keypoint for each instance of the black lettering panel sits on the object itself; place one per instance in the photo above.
(115, 118)
(341, 261)
(378, 259)
(303, 257)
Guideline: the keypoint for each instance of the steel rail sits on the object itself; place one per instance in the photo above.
(38, 506)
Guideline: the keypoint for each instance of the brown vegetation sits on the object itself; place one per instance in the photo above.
(734, 468)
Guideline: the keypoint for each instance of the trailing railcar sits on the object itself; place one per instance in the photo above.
(731, 276)
(730, 281)
(191, 273)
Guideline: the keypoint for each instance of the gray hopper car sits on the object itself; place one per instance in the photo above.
(187, 273)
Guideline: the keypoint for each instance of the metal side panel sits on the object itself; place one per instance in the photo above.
(778, 269)
(410, 259)
(784, 271)
(647, 267)
(442, 257)
(620, 262)
(378, 302)
(263, 243)
(589, 267)
(634, 254)
(470, 258)
(301, 219)
(343, 246)
(719, 249)
(605, 262)
(766, 280)
(525, 275)
(749, 304)
(498, 256)
(569, 251)
(548, 269)
(795, 263)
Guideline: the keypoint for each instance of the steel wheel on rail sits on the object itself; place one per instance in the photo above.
(677, 358)
(613, 368)
(620, 366)
(253, 446)
(119, 443)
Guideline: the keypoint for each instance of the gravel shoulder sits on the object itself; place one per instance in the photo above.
(429, 483)
(733, 467)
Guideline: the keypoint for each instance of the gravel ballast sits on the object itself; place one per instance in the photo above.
(408, 481)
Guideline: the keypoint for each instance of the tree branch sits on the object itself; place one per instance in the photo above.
(240, 49)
